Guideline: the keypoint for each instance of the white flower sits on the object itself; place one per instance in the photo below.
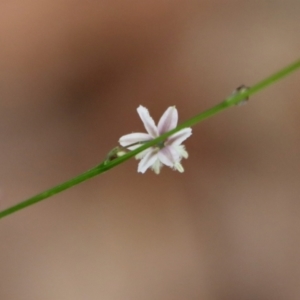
(169, 153)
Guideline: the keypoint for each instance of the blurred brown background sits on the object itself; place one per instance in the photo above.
(72, 74)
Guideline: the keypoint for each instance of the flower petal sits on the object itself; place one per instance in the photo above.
(178, 166)
(167, 156)
(156, 166)
(181, 151)
(168, 120)
(147, 161)
(143, 153)
(148, 121)
(178, 137)
(132, 138)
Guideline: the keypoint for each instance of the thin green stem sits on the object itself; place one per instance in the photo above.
(109, 164)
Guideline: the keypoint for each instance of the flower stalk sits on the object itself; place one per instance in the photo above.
(113, 160)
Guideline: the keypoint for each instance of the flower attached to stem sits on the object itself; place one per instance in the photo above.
(169, 152)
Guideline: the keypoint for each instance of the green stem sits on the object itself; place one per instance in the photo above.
(106, 165)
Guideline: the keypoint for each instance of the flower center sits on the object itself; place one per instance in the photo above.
(161, 144)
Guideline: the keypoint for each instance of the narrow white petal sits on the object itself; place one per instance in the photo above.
(168, 120)
(148, 121)
(178, 137)
(132, 138)
(167, 156)
(175, 154)
(181, 151)
(143, 153)
(178, 166)
(147, 161)
(157, 166)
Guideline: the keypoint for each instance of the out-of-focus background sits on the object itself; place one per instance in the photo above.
(72, 74)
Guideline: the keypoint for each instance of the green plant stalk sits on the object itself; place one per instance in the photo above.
(107, 164)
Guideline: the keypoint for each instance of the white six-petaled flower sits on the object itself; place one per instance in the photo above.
(169, 153)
